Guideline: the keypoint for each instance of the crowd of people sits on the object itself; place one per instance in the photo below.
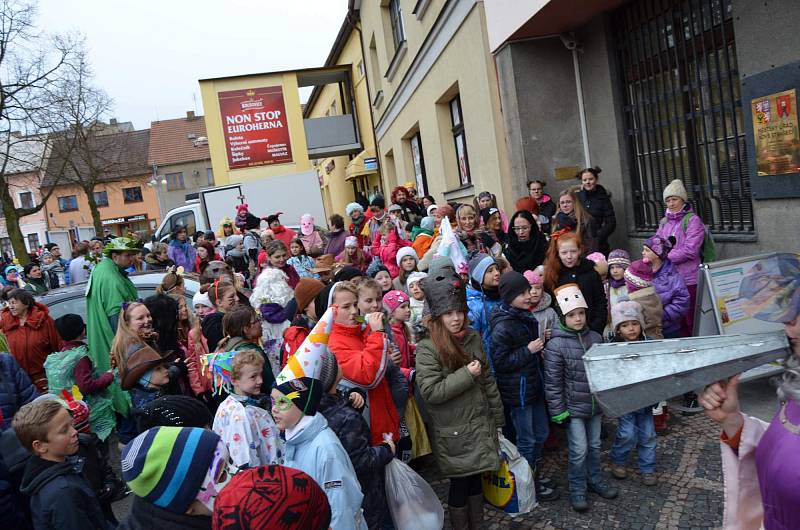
(308, 361)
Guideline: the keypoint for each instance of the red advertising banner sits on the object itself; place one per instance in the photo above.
(255, 128)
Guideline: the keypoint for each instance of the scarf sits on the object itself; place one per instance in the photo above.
(459, 336)
(281, 229)
(616, 284)
(357, 226)
(184, 247)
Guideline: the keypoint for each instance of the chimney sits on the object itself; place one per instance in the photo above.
(112, 121)
(189, 114)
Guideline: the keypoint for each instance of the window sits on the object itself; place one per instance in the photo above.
(683, 111)
(419, 165)
(6, 248)
(132, 194)
(101, 198)
(175, 181)
(460, 141)
(396, 19)
(184, 219)
(26, 199)
(33, 242)
(68, 203)
(360, 69)
(210, 176)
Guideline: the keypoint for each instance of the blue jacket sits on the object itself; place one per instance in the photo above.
(317, 451)
(517, 370)
(480, 306)
(16, 389)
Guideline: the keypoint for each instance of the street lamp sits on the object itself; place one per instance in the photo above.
(154, 183)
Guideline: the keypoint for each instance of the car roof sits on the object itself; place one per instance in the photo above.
(149, 279)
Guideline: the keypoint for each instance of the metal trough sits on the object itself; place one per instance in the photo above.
(626, 376)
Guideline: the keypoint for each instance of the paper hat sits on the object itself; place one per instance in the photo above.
(569, 297)
(300, 378)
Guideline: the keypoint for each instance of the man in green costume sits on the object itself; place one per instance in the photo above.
(108, 288)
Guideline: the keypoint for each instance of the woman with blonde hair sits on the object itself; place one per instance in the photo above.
(573, 217)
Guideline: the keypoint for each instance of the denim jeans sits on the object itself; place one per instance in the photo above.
(636, 429)
(583, 436)
(532, 427)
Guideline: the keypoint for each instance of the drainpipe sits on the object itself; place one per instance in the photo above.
(570, 43)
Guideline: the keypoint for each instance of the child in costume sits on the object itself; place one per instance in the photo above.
(311, 445)
(417, 302)
(247, 429)
(569, 398)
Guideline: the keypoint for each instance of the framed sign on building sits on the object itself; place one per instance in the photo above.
(255, 127)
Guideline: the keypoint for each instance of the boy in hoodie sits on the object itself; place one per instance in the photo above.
(636, 428)
(73, 366)
(61, 499)
(516, 346)
(311, 445)
(569, 398)
(175, 474)
(352, 430)
(482, 297)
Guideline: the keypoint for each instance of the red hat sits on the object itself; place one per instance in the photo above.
(271, 497)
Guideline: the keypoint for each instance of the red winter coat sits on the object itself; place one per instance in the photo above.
(31, 343)
(293, 337)
(407, 350)
(388, 252)
(362, 359)
(284, 234)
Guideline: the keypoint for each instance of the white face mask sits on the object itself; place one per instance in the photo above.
(219, 473)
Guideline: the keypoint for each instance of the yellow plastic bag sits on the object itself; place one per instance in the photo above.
(420, 444)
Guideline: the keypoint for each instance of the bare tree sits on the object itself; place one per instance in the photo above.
(32, 66)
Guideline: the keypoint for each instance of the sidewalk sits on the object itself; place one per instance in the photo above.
(688, 495)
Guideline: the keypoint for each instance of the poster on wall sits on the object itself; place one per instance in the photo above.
(254, 127)
(775, 129)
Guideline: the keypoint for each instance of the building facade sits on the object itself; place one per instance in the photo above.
(125, 201)
(651, 91)
(180, 159)
(435, 99)
(347, 178)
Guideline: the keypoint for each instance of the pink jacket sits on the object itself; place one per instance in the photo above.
(388, 252)
(686, 253)
(743, 509)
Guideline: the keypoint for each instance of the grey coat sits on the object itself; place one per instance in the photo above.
(565, 383)
(465, 412)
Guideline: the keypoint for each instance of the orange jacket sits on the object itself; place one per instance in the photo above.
(421, 244)
(31, 343)
(360, 355)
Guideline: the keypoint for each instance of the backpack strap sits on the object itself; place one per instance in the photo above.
(685, 221)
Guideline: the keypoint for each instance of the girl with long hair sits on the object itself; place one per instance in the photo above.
(460, 394)
(193, 344)
(354, 255)
(566, 263)
(573, 216)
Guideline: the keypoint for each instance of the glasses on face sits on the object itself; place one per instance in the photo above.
(522, 228)
(281, 404)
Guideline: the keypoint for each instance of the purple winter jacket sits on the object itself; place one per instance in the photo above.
(674, 295)
(686, 253)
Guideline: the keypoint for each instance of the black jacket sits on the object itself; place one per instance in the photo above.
(566, 386)
(517, 370)
(525, 255)
(598, 203)
(369, 461)
(593, 291)
(16, 389)
(212, 329)
(146, 516)
(61, 499)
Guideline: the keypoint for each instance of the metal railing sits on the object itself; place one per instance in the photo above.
(683, 110)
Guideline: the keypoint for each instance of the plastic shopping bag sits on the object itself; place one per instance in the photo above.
(412, 502)
(511, 487)
(421, 445)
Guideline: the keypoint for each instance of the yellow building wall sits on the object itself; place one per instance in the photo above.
(209, 90)
(464, 67)
(336, 190)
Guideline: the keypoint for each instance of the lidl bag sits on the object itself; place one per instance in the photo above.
(412, 502)
(420, 444)
(511, 487)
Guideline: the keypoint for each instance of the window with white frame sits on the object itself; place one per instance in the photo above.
(460, 140)
(396, 20)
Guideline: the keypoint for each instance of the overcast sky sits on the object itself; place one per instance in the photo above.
(149, 54)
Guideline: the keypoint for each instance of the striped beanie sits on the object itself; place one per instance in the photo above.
(619, 257)
(166, 466)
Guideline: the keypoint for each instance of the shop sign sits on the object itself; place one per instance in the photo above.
(776, 134)
(254, 127)
(371, 164)
(123, 220)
